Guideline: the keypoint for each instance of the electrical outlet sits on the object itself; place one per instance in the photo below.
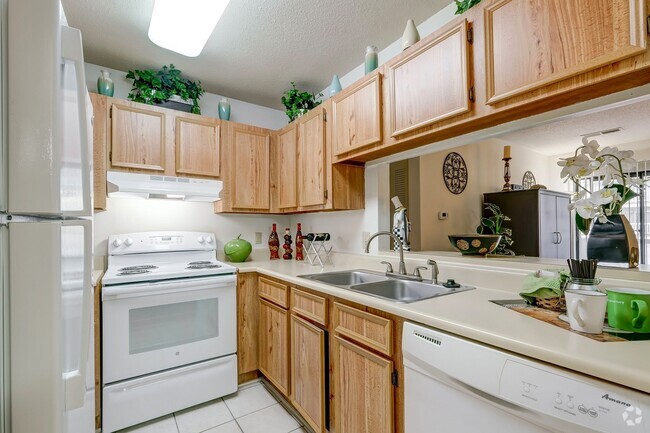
(364, 239)
(442, 215)
(258, 238)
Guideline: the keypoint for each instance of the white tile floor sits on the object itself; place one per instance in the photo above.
(252, 409)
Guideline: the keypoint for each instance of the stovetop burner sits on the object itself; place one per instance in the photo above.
(137, 268)
(126, 271)
(202, 265)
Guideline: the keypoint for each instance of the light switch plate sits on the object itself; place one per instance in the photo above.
(364, 239)
(258, 238)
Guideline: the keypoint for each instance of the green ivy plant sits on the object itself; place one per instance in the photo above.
(465, 5)
(493, 225)
(297, 102)
(155, 87)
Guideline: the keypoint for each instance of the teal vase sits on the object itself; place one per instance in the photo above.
(105, 85)
(224, 109)
(335, 87)
(372, 61)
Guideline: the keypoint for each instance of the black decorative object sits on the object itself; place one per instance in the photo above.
(613, 242)
(454, 172)
(529, 180)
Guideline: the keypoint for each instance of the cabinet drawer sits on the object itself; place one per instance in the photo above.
(310, 306)
(367, 329)
(273, 291)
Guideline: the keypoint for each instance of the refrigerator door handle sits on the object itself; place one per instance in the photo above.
(75, 381)
(71, 49)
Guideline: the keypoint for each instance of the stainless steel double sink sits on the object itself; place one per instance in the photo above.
(377, 284)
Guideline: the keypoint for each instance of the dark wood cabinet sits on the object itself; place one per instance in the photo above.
(540, 221)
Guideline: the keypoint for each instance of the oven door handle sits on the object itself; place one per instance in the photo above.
(167, 287)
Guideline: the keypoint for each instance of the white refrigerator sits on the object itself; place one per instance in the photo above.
(47, 374)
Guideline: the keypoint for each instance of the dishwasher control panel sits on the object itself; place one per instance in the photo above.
(602, 408)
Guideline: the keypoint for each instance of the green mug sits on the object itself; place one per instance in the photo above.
(628, 309)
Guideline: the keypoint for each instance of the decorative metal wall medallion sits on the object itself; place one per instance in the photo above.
(529, 180)
(454, 171)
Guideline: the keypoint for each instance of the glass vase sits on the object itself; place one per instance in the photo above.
(224, 109)
(105, 85)
(372, 60)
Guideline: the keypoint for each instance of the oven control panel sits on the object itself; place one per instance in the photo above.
(150, 242)
(602, 408)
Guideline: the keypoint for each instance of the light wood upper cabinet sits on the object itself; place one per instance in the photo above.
(532, 43)
(274, 345)
(356, 115)
(364, 391)
(138, 137)
(197, 145)
(245, 169)
(287, 167)
(431, 83)
(308, 372)
(311, 159)
(100, 145)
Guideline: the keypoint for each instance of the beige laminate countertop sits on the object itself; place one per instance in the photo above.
(96, 276)
(471, 315)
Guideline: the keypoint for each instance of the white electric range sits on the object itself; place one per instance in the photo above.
(169, 326)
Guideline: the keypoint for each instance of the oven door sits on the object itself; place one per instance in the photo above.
(150, 327)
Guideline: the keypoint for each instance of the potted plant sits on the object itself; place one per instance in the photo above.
(598, 213)
(465, 5)
(494, 225)
(165, 87)
(297, 102)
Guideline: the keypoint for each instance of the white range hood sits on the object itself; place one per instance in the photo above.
(134, 185)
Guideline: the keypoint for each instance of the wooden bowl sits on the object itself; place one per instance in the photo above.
(475, 244)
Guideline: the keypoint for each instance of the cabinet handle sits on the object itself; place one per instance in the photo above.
(559, 241)
(555, 238)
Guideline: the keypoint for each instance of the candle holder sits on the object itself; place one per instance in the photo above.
(506, 175)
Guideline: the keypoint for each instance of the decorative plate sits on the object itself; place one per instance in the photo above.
(454, 172)
(529, 180)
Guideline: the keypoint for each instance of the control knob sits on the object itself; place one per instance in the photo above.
(128, 242)
(117, 242)
(200, 239)
(209, 239)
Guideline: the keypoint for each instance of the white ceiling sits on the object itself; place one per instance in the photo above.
(258, 46)
(564, 135)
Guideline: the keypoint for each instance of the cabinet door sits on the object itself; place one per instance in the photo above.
(100, 145)
(287, 167)
(274, 345)
(431, 83)
(251, 181)
(138, 137)
(364, 391)
(532, 43)
(563, 218)
(311, 159)
(197, 146)
(548, 235)
(356, 116)
(308, 370)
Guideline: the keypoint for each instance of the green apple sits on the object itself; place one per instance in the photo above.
(238, 250)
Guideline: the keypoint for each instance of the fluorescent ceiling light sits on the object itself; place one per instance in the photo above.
(184, 26)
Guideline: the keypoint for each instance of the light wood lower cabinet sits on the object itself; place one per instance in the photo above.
(308, 372)
(274, 345)
(364, 390)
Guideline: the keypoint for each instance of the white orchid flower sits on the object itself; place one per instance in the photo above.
(586, 209)
(575, 166)
(590, 147)
(605, 196)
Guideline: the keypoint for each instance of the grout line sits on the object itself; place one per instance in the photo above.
(178, 429)
(233, 416)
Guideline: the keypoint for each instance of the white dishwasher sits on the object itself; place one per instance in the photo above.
(453, 385)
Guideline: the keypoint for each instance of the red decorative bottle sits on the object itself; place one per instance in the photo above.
(287, 245)
(300, 249)
(274, 244)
